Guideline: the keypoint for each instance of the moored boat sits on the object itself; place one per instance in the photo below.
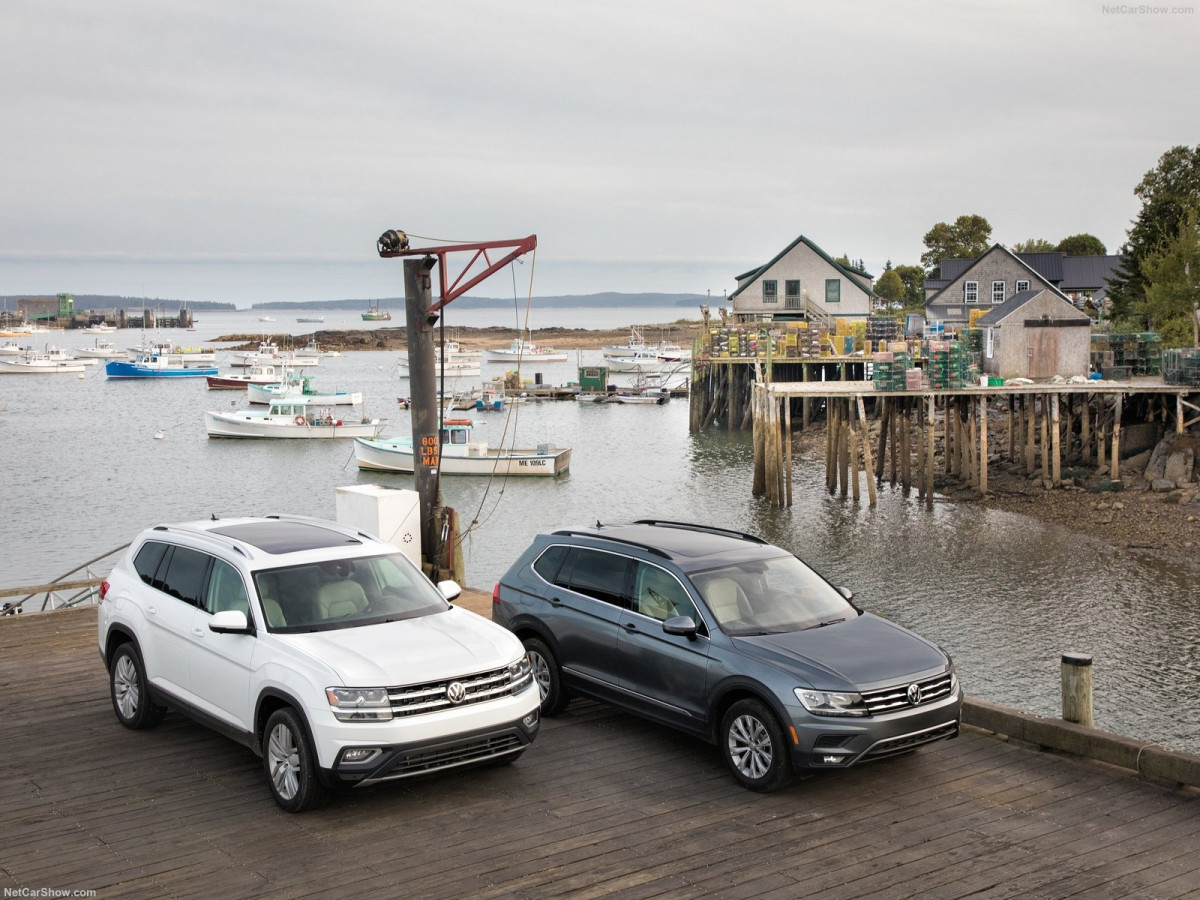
(102, 349)
(240, 381)
(156, 365)
(521, 350)
(290, 418)
(185, 356)
(375, 314)
(462, 456)
(291, 385)
(54, 361)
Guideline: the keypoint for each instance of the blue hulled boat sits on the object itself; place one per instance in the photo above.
(156, 365)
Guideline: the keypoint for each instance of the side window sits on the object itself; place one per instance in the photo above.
(596, 574)
(658, 594)
(548, 564)
(770, 291)
(833, 290)
(186, 572)
(148, 561)
(226, 590)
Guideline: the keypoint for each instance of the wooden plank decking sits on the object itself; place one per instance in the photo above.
(602, 804)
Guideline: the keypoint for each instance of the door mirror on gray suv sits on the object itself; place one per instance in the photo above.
(230, 621)
(681, 625)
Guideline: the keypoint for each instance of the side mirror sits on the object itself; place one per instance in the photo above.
(451, 590)
(849, 595)
(230, 621)
(684, 626)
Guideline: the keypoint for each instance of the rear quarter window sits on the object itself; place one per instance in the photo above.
(148, 560)
(548, 564)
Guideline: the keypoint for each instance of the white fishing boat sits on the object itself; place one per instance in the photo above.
(99, 328)
(102, 349)
(13, 347)
(269, 353)
(521, 350)
(52, 361)
(462, 456)
(295, 386)
(647, 396)
(636, 347)
(266, 318)
(290, 418)
(240, 381)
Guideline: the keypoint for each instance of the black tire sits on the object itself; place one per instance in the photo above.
(290, 763)
(547, 676)
(754, 748)
(130, 695)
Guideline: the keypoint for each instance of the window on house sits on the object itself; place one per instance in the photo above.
(1022, 286)
(971, 292)
(990, 345)
(833, 290)
(997, 291)
(791, 293)
(771, 291)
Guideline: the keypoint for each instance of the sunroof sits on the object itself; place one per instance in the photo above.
(274, 536)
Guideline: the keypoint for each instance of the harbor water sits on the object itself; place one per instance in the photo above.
(90, 462)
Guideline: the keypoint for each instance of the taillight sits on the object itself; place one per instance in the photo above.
(496, 593)
(103, 589)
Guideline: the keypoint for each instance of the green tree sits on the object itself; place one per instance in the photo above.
(1172, 276)
(1082, 245)
(890, 287)
(1165, 191)
(1033, 245)
(967, 238)
(913, 278)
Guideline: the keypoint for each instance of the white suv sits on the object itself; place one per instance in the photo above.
(320, 647)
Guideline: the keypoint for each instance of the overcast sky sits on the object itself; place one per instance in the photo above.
(247, 151)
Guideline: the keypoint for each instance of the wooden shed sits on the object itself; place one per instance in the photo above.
(1036, 334)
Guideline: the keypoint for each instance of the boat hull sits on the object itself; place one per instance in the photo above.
(475, 459)
(250, 425)
(263, 394)
(117, 369)
(16, 367)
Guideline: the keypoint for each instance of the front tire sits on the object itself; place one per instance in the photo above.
(129, 691)
(753, 745)
(290, 763)
(547, 675)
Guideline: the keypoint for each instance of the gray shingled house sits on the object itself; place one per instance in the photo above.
(1036, 334)
(802, 281)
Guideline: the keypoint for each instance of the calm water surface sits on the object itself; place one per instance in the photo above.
(1004, 594)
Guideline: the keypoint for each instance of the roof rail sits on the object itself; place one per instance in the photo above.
(709, 529)
(212, 537)
(616, 540)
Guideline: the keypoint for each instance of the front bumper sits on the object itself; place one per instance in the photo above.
(387, 762)
(834, 743)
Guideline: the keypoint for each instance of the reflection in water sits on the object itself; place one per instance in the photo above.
(1005, 595)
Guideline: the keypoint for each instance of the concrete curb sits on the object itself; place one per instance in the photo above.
(1149, 761)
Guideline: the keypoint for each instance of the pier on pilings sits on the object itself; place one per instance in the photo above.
(911, 438)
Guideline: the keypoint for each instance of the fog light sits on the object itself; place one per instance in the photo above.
(358, 754)
(531, 720)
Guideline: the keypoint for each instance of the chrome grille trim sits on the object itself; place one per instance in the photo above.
(416, 699)
(892, 698)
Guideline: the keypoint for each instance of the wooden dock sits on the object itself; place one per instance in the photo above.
(602, 804)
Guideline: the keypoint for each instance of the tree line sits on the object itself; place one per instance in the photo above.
(1156, 287)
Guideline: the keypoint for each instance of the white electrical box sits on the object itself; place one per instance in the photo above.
(391, 514)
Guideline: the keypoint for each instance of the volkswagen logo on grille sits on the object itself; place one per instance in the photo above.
(914, 693)
(456, 693)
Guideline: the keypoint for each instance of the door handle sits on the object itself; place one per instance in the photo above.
(631, 626)
(198, 632)
(151, 610)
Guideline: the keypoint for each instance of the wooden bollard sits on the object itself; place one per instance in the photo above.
(1077, 688)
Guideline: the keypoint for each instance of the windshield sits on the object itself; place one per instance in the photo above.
(345, 593)
(767, 596)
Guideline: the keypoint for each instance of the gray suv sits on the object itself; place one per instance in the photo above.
(729, 638)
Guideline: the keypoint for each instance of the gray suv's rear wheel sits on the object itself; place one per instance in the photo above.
(290, 763)
(130, 696)
(547, 675)
(753, 745)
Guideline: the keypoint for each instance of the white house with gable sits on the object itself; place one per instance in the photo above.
(803, 282)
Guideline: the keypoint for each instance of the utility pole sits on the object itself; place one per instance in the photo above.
(421, 314)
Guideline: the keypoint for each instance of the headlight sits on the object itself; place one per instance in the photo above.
(360, 704)
(519, 671)
(831, 703)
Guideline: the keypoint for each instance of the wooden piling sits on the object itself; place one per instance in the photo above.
(1076, 672)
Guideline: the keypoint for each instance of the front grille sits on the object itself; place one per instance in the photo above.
(433, 696)
(903, 742)
(892, 698)
(421, 761)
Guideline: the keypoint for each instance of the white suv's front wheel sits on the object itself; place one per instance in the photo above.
(291, 764)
